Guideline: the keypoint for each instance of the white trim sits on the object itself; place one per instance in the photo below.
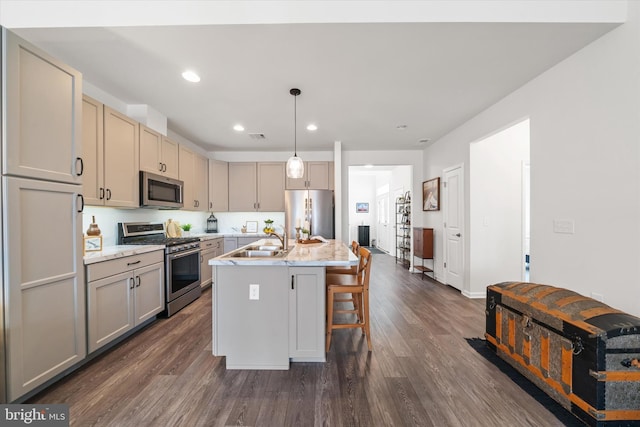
(474, 295)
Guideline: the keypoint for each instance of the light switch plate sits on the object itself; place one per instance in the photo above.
(254, 292)
(564, 226)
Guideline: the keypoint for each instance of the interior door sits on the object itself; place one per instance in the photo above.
(453, 190)
(382, 229)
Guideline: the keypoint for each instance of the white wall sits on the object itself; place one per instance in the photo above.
(496, 208)
(362, 189)
(585, 166)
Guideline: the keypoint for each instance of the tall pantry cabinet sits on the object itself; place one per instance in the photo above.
(42, 271)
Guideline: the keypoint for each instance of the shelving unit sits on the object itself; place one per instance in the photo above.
(403, 230)
(423, 241)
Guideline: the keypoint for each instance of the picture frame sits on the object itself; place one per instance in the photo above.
(252, 226)
(92, 244)
(431, 195)
(362, 207)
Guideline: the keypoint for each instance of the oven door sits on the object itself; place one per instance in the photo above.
(183, 273)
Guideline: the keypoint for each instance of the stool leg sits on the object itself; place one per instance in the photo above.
(367, 329)
(329, 319)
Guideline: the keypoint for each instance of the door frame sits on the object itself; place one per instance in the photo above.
(445, 201)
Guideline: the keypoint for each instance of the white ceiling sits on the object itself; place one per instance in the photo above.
(359, 81)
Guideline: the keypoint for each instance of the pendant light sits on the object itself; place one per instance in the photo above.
(295, 165)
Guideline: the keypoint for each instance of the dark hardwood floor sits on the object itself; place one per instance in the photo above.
(422, 372)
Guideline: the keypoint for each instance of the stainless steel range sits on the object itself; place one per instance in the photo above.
(181, 262)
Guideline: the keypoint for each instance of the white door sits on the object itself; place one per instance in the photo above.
(453, 191)
(382, 229)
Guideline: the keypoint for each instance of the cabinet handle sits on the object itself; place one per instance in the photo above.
(79, 159)
(137, 281)
(108, 194)
(292, 281)
(81, 197)
(130, 282)
(135, 262)
(164, 167)
(101, 193)
(160, 166)
(210, 205)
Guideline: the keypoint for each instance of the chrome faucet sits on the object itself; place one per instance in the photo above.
(283, 239)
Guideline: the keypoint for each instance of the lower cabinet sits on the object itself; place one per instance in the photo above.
(307, 314)
(121, 297)
(210, 249)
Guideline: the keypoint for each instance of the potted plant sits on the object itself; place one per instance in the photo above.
(268, 226)
(186, 228)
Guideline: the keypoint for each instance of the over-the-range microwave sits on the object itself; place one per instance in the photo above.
(160, 192)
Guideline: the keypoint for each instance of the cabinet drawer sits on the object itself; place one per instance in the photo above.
(211, 244)
(104, 269)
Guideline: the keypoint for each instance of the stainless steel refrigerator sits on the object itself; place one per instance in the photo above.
(315, 206)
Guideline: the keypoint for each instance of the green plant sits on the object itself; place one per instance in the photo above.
(186, 227)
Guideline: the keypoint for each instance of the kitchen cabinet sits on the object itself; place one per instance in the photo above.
(256, 186)
(230, 244)
(210, 249)
(306, 314)
(218, 186)
(317, 176)
(42, 114)
(111, 143)
(194, 172)
(123, 294)
(43, 295)
(158, 154)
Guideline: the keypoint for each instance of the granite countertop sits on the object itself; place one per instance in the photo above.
(119, 251)
(332, 253)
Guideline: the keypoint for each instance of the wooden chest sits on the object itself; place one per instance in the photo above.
(583, 353)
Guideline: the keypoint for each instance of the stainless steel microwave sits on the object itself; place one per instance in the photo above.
(160, 192)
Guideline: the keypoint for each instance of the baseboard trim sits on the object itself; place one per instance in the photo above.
(474, 295)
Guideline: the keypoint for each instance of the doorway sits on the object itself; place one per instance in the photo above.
(499, 207)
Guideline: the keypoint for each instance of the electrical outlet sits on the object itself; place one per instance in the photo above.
(254, 292)
(563, 226)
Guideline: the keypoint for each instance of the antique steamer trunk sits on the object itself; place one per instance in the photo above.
(583, 353)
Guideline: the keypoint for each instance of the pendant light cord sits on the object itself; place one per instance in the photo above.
(295, 125)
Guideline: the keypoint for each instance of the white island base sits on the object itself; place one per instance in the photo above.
(270, 312)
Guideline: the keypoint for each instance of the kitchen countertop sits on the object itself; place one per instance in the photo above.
(119, 251)
(208, 236)
(332, 253)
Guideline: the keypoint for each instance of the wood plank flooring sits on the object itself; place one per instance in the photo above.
(422, 372)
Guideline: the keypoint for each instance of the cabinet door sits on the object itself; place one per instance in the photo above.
(92, 151)
(230, 244)
(317, 175)
(271, 178)
(307, 313)
(242, 187)
(44, 275)
(169, 158)
(201, 182)
(43, 114)
(218, 186)
(206, 275)
(109, 308)
(148, 292)
(418, 243)
(150, 146)
(186, 174)
(121, 164)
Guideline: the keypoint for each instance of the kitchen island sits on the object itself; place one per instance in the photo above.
(269, 311)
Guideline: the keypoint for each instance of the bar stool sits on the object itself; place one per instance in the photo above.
(358, 286)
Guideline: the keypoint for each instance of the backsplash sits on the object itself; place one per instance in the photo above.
(228, 222)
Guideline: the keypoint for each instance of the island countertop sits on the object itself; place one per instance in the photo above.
(332, 253)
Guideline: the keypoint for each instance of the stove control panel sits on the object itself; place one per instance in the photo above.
(183, 247)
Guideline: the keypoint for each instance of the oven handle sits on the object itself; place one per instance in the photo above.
(182, 254)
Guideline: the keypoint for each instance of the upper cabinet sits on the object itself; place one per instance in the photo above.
(193, 171)
(111, 143)
(218, 186)
(158, 154)
(44, 144)
(317, 176)
(256, 186)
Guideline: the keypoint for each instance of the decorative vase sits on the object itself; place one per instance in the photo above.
(93, 229)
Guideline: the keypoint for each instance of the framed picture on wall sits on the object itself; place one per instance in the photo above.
(431, 195)
(362, 207)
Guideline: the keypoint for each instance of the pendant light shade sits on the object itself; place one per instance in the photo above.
(295, 165)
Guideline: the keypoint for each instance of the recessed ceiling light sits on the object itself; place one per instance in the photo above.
(401, 127)
(312, 127)
(190, 76)
(368, 166)
(238, 128)
(423, 140)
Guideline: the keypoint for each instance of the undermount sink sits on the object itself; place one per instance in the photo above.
(252, 253)
(264, 248)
